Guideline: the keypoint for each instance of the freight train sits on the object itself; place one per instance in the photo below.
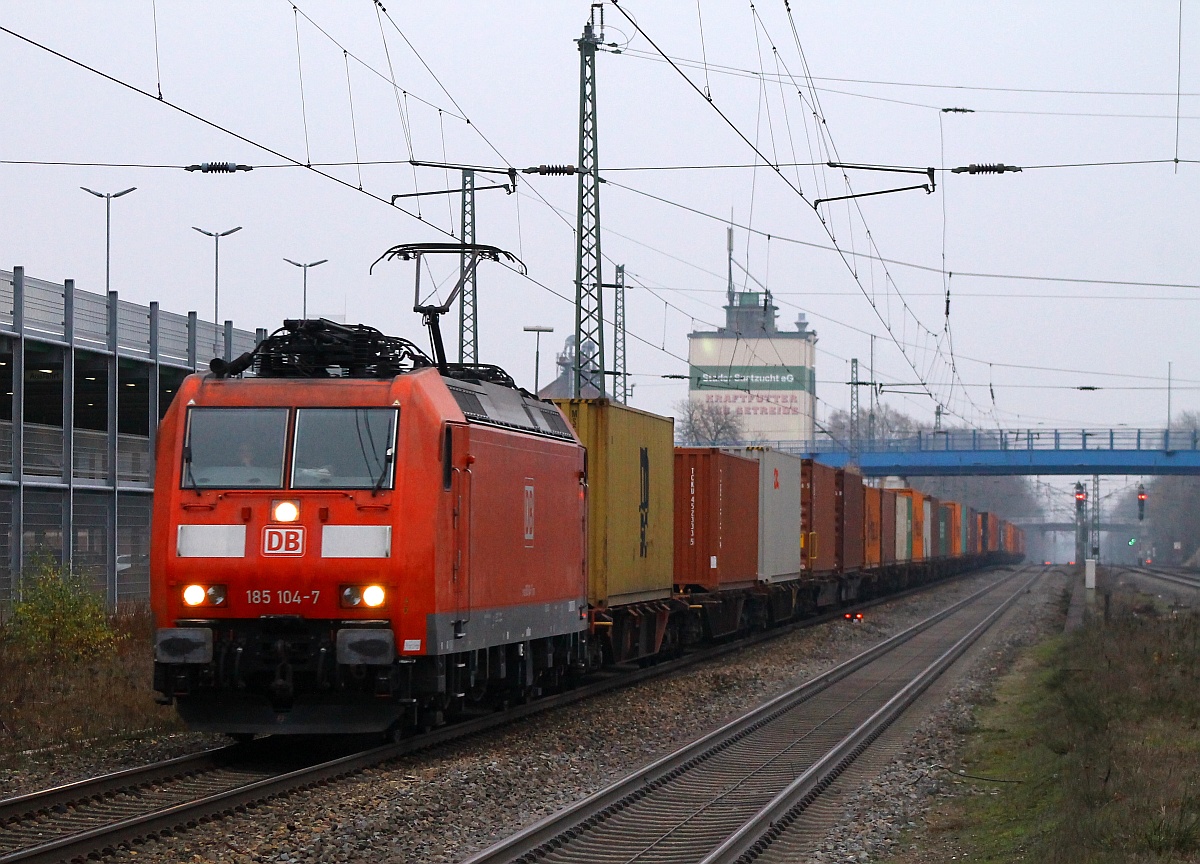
(358, 538)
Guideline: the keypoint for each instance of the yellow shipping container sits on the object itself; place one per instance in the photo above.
(630, 459)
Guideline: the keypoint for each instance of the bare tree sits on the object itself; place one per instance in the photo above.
(707, 424)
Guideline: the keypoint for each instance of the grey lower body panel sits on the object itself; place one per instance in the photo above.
(448, 632)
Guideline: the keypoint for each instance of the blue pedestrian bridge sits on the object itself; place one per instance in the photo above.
(952, 452)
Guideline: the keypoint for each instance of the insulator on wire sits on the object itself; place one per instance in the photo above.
(991, 168)
(554, 170)
(218, 167)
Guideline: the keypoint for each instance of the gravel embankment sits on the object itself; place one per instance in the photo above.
(876, 814)
(442, 805)
(41, 769)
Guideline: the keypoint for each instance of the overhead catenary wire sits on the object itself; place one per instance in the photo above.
(733, 126)
(291, 160)
(300, 72)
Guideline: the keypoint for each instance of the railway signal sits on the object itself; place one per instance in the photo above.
(1080, 497)
(1141, 493)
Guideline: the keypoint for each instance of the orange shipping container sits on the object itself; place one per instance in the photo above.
(887, 536)
(956, 522)
(716, 519)
(872, 527)
(850, 521)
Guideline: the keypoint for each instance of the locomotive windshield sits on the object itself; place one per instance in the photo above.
(344, 448)
(235, 448)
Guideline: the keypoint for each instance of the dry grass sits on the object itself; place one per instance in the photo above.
(47, 698)
(1102, 728)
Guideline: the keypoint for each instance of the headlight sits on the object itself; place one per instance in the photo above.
(285, 511)
(373, 596)
(363, 595)
(204, 595)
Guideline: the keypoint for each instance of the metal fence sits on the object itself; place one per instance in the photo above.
(1119, 438)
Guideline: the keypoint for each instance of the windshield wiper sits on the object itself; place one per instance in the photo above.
(188, 477)
(387, 460)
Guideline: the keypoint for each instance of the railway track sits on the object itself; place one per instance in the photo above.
(729, 795)
(1185, 579)
(96, 816)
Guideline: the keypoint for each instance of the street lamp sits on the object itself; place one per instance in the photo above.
(108, 196)
(537, 351)
(217, 235)
(304, 267)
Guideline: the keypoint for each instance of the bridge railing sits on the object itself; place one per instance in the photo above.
(1120, 438)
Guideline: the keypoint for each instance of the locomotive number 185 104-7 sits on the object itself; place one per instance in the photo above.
(282, 595)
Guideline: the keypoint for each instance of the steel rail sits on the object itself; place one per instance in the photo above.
(756, 835)
(1176, 578)
(557, 828)
(46, 801)
(166, 820)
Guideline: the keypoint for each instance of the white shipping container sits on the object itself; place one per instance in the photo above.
(903, 528)
(929, 529)
(779, 556)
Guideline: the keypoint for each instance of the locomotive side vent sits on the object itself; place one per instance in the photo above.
(556, 421)
(468, 402)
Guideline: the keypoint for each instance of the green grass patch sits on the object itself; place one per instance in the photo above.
(71, 671)
(1100, 728)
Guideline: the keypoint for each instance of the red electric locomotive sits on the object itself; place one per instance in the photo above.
(360, 538)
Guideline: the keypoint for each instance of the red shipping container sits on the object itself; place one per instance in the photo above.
(819, 517)
(887, 535)
(716, 519)
(850, 521)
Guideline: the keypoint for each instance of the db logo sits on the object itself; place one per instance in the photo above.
(283, 541)
(529, 523)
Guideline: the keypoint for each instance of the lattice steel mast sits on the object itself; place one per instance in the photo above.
(468, 342)
(621, 376)
(589, 306)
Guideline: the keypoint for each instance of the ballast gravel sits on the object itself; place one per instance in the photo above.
(446, 803)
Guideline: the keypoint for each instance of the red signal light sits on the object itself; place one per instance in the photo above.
(1141, 496)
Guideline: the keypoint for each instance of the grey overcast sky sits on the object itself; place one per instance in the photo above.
(1050, 84)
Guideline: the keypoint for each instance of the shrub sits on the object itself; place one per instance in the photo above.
(58, 616)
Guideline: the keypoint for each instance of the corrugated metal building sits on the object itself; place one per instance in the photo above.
(84, 380)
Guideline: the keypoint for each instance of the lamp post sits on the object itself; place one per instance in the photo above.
(537, 351)
(108, 196)
(217, 235)
(304, 267)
